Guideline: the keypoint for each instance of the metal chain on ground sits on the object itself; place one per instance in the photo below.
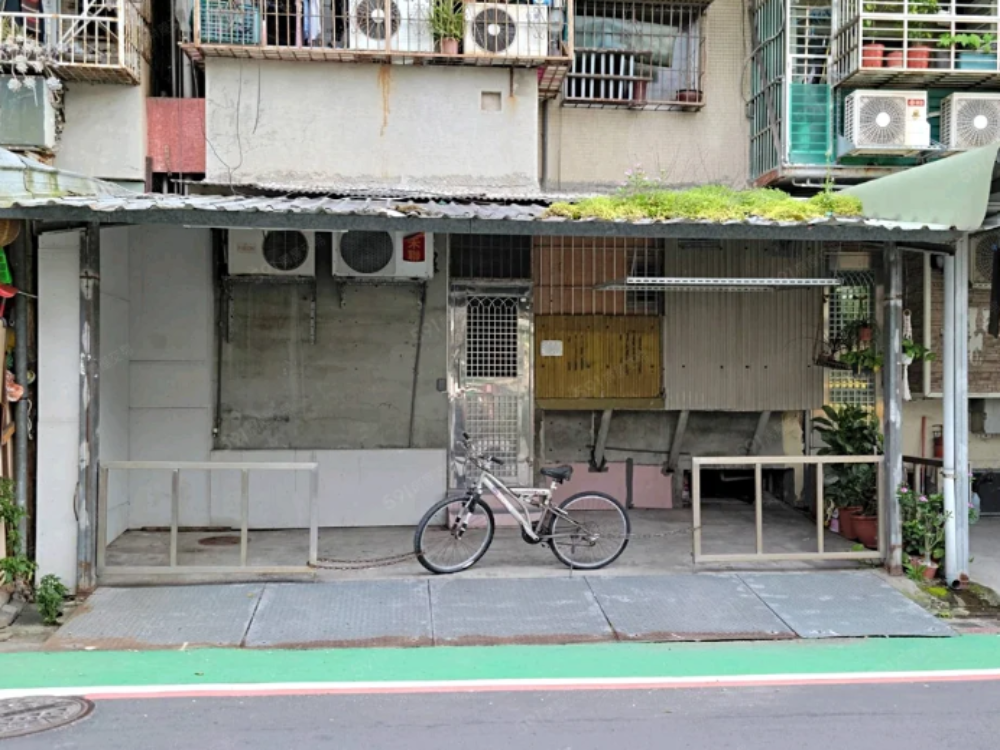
(324, 563)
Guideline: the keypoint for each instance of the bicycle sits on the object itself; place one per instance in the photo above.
(556, 527)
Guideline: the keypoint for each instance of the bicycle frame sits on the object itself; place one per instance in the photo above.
(512, 497)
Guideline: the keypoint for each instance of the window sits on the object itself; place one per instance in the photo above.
(637, 54)
(853, 300)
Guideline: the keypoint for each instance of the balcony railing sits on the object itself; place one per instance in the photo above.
(917, 43)
(103, 41)
(439, 32)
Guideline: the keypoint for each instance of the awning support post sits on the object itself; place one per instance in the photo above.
(892, 375)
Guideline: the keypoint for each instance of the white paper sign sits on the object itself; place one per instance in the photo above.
(552, 348)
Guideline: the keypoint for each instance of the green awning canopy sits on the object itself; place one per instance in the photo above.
(952, 192)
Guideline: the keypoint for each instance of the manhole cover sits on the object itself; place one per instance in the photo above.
(219, 541)
(21, 716)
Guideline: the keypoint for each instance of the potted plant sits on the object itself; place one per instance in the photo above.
(923, 518)
(866, 519)
(850, 431)
(919, 51)
(448, 24)
(978, 51)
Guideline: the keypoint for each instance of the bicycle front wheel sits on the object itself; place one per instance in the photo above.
(454, 534)
(590, 532)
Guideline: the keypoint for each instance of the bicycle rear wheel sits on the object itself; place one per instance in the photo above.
(591, 532)
(454, 534)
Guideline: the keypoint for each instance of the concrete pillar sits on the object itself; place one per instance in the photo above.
(90, 410)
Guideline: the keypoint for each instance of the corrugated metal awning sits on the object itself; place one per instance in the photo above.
(953, 192)
(456, 217)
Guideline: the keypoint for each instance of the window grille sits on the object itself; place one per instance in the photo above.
(853, 300)
(637, 54)
(491, 337)
(490, 256)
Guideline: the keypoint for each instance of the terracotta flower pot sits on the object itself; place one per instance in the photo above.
(894, 59)
(639, 92)
(847, 522)
(872, 55)
(449, 46)
(929, 571)
(864, 334)
(866, 529)
(919, 57)
(689, 96)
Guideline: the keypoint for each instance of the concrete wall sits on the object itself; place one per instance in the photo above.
(984, 451)
(114, 370)
(369, 125)
(171, 368)
(58, 403)
(351, 389)
(105, 132)
(592, 148)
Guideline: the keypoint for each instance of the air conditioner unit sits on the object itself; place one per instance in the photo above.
(383, 256)
(29, 119)
(885, 122)
(407, 23)
(982, 248)
(970, 120)
(502, 30)
(271, 252)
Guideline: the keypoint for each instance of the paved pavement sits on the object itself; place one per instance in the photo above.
(862, 717)
(463, 611)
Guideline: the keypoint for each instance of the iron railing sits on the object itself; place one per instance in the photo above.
(757, 463)
(102, 42)
(951, 43)
(637, 54)
(175, 468)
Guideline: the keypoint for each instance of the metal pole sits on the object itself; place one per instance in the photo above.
(244, 515)
(90, 408)
(21, 276)
(963, 489)
(893, 419)
(948, 394)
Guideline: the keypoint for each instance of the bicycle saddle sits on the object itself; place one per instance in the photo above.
(558, 473)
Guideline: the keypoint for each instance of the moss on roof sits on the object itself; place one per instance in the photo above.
(709, 203)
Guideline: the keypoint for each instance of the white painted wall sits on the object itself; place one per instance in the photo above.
(58, 403)
(171, 368)
(113, 370)
(105, 132)
(356, 488)
(369, 125)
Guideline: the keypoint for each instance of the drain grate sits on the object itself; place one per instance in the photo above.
(22, 716)
(219, 541)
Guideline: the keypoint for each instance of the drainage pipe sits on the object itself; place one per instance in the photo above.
(948, 472)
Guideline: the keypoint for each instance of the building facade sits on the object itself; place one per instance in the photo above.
(271, 344)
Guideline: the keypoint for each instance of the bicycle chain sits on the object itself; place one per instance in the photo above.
(397, 559)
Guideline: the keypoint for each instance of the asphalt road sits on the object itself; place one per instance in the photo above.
(961, 714)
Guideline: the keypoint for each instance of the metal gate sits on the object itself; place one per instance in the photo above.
(489, 380)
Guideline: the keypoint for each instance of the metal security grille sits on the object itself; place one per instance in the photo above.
(637, 53)
(489, 256)
(493, 423)
(568, 272)
(853, 300)
(491, 337)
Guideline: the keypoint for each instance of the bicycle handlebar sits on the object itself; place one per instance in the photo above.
(479, 456)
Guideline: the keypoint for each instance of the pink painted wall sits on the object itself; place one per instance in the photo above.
(650, 487)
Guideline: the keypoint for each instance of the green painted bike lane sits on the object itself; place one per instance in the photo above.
(620, 660)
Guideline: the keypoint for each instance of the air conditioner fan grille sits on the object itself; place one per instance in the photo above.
(367, 252)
